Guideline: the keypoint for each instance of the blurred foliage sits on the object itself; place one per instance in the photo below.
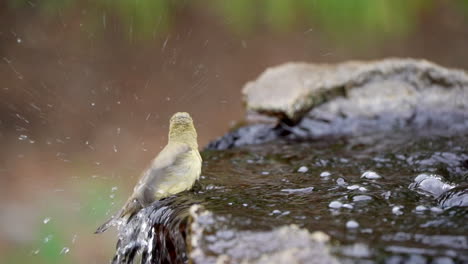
(339, 18)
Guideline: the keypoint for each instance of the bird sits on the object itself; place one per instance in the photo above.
(175, 169)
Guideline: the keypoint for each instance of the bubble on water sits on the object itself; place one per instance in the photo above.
(341, 182)
(64, 250)
(372, 175)
(351, 224)
(303, 169)
(353, 187)
(360, 198)
(300, 190)
(46, 220)
(93, 104)
(335, 205)
(19, 40)
(22, 137)
(396, 210)
(325, 174)
(421, 208)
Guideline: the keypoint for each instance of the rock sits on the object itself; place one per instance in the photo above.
(300, 100)
(212, 241)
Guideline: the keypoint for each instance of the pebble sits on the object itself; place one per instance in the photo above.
(335, 205)
(325, 174)
(349, 206)
(303, 169)
(370, 175)
(353, 187)
(351, 224)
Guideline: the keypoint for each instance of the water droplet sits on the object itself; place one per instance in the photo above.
(303, 169)
(64, 250)
(46, 220)
(47, 238)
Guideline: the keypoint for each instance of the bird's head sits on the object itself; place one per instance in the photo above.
(181, 128)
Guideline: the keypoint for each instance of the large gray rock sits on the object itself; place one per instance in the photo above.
(301, 100)
(292, 89)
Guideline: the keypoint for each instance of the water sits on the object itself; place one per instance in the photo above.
(261, 187)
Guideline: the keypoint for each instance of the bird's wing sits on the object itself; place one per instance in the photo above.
(144, 191)
(159, 170)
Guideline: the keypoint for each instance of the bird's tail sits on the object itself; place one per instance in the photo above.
(131, 206)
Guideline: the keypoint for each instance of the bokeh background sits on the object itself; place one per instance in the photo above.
(87, 88)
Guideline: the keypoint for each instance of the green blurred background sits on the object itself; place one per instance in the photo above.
(87, 88)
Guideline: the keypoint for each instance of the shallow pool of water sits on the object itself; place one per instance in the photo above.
(319, 185)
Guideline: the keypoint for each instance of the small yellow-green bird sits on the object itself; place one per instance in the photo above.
(175, 169)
